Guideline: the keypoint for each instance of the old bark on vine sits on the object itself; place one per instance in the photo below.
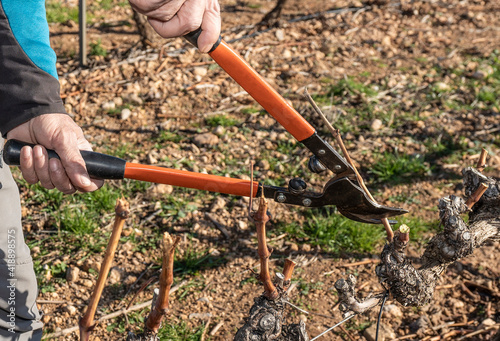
(266, 318)
(415, 287)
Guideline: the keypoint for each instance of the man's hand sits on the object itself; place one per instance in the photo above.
(175, 18)
(61, 133)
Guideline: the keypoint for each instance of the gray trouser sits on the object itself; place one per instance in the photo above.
(19, 316)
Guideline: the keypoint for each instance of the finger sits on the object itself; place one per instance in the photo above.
(165, 10)
(66, 145)
(83, 144)
(98, 183)
(59, 177)
(176, 27)
(27, 165)
(41, 161)
(188, 18)
(210, 26)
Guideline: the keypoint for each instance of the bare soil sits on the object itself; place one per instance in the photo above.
(396, 44)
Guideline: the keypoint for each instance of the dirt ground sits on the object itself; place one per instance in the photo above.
(404, 48)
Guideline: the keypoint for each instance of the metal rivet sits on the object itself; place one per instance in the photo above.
(307, 202)
(321, 152)
(281, 198)
(338, 167)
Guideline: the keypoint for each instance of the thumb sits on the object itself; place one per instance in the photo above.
(83, 144)
(210, 25)
(67, 146)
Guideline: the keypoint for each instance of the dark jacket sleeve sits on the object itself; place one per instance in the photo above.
(28, 83)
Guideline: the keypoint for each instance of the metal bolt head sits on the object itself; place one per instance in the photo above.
(338, 167)
(281, 198)
(307, 202)
(297, 186)
(321, 152)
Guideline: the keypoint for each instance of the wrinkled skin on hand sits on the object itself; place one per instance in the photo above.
(175, 18)
(61, 133)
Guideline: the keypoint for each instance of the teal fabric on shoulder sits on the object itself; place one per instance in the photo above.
(28, 22)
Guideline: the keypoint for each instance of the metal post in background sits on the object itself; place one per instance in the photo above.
(82, 25)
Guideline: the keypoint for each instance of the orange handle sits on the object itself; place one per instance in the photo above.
(262, 92)
(174, 177)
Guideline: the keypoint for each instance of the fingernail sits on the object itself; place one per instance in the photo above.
(38, 151)
(53, 166)
(28, 152)
(85, 180)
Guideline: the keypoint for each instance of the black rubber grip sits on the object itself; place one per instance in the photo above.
(192, 37)
(99, 166)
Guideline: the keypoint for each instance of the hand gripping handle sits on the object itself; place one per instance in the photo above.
(192, 37)
(99, 166)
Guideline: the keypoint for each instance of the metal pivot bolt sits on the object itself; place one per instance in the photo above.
(315, 165)
(281, 198)
(297, 186)
(307, 202)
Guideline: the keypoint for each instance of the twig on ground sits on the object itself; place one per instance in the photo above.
(136, 281)
(346, 332)
(204, 333)
(216, 328)
(491, 291)
(57, 302)
(467, 291)
(445, 286)
(141, 289)
(405, 337)
(104, 318)
(466, 336)
(87, 321)
(363, 262)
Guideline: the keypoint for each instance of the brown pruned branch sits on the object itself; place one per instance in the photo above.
(474, 198)
(261, 218)
(266, 316)
(121, 214)
(287, 272)
(160, 309)
(481, 162)
(340, 142)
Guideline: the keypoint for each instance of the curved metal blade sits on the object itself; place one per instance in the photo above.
(353, 202)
